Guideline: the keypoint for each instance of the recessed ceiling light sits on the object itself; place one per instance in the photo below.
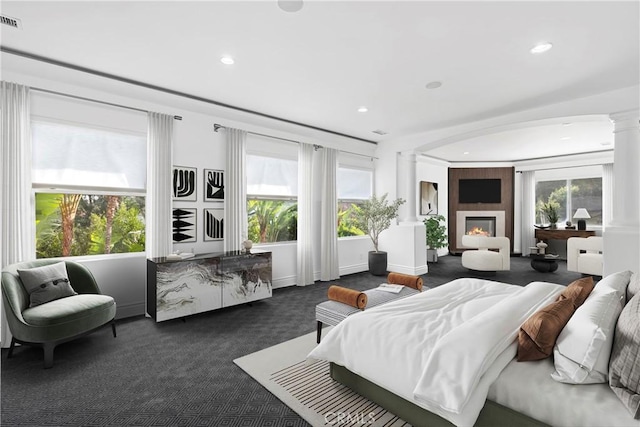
(566, 124)
(465, 153)
(433, 85)
(541, 47)
(290, 5)
(565, 138)
(605, 143)
(362, 109)
(227, 60)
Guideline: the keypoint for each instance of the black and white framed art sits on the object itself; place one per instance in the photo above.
(213, 224)
(184, 183)
(428, 198)
(213, 185)
(184, 225)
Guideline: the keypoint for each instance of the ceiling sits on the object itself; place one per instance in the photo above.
(317, 66)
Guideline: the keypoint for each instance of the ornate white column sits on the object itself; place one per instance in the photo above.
(406, 243)
(622, 234)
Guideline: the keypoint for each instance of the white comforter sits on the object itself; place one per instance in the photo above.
(440, 349)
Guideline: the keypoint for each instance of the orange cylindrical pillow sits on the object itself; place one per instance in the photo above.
(347, 296)
(414, 282)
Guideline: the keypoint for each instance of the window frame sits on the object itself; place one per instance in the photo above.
(272, 197)
(352, 200)
(46, 188)
(569, 209)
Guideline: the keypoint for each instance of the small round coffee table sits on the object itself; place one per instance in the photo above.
(544, 263)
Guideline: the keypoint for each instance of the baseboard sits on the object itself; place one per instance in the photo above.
(354, 268)
(130, 310)
(406, 269)
(283, 282)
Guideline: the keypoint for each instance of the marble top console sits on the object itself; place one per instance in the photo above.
(182, 287)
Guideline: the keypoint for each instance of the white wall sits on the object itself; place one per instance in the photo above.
(433, 170)
(195, 145)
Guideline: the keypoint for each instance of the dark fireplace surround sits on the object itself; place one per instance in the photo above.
(506, 205)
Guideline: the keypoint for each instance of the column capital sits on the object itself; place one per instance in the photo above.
(409, 154)
(625, 120)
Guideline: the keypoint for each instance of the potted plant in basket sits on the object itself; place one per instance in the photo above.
(374, 217)
(436, 236)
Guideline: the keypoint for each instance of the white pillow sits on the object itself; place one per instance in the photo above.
(616, 281)
(582, 351)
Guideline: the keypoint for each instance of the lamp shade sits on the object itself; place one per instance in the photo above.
(581, 213)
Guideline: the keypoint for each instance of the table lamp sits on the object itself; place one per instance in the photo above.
(581, 214)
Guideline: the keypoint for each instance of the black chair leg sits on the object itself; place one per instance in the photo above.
(113, 327)
(48, 354)
(319, 333)
(11, 347)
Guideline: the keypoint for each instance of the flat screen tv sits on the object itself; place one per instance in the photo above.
(479, 190)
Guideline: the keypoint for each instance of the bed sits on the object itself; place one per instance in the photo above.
(447, 356)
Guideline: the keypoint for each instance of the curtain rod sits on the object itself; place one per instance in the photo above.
(82, 98)
(217, 127)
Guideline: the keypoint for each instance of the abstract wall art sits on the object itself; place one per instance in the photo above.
(213, 185)
(213, 224)
(428, 198)
(184, 225)
(184, 183)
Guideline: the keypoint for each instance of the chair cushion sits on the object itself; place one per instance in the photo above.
(46, 283)
(590, 263)
(83, 307)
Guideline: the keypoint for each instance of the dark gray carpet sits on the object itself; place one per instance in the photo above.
(179, 373)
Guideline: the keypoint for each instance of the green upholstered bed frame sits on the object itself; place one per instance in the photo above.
(492, 415)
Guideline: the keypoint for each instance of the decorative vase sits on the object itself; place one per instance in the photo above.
(542, 246)
(247, 245)
(553, 226)
(432, 255)
(378, 263)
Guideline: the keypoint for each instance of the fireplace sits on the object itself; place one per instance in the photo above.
(480, 226)
(486, 223)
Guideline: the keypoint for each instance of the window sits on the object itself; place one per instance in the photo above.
(272, 190)
(569, 195)
(89, 190)
(354, 187)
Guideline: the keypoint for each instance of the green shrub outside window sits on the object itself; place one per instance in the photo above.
(83, 224)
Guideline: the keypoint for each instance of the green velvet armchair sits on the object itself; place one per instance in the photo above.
(58, 321)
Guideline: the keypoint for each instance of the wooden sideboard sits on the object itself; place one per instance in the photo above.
(179, 288)
(561, 234)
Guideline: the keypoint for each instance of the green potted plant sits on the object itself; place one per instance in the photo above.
(550, 210)
(436, 236)
(374, 217)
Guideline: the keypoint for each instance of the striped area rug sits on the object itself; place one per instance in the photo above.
(308, 389)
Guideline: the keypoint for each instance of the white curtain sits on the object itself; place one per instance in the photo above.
(17, 210)
(607, 194)
(159, 168)
(527, 237)
(329, 267)
(305, 204)
(235, 190)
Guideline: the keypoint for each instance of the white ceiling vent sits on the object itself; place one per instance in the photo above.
(12, 22)
(379, 132)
